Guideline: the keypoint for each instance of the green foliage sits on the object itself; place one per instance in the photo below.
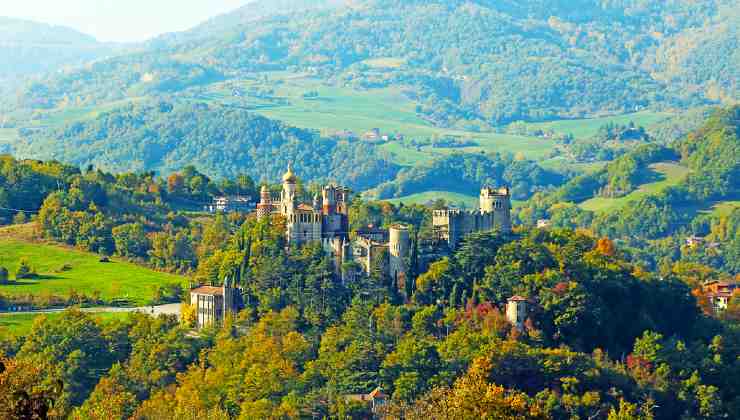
(224, 141)
(590, 58)
(24, 270)
(466, 174)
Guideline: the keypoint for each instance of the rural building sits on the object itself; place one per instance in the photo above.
(231, 204)
(213, 304)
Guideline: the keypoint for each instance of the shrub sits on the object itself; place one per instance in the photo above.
(3, 275)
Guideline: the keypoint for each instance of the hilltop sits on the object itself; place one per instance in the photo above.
(28, 47)
(462, 62)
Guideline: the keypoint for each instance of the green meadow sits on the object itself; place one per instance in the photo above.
(667, 174)
(431, 196)
(84, 273)
(584, 128)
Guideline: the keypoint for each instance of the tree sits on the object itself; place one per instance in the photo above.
(24, 271)
(131, 240)
(4, 275)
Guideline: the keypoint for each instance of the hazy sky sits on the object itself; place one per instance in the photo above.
(120, 20)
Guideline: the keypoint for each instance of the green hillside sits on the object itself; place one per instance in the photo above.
(62, 271)
(460, 62)
(431, 196)
(664, 174)
(30, 48)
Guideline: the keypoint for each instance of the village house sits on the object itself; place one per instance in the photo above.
(720, 293)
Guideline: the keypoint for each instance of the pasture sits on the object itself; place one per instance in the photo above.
(62, 271)
(663, 175)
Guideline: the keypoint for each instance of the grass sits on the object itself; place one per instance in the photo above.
(430, 196)
(343, 108)
(724, 208)
(585, 128)
(668, 174)
(114, 280)
(19, 325)
(387, 62)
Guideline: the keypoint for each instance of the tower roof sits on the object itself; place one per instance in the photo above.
(289, 175)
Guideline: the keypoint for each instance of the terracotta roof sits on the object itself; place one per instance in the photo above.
(517, 298)
(377, 393)
(208, 290)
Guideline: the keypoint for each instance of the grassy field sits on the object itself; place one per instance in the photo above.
(430, 196)
(585, 128)
(339, 108)
(724, 208)
(668, 173)
(18, 325)
(114, 280)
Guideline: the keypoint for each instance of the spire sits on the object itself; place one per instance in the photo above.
(289, 176)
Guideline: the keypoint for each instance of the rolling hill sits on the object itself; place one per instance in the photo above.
(33, 48)
(462, 62)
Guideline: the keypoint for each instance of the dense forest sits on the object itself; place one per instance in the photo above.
(604, 339)
(165, 136)
(463, 61)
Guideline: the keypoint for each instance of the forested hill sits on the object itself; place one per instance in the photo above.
(30, 47)
(221, 141)
(494, 62)
(704, 201)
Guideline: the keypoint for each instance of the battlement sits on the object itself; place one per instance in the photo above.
(495, 192)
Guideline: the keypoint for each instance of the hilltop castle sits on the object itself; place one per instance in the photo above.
(451, 225)
(326, 220)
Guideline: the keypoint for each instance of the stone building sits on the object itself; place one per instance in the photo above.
(451, 225)
(213, 304)
(231, 204)
(370, 243)
(325, 219)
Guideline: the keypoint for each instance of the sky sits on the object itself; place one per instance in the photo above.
(120, 20)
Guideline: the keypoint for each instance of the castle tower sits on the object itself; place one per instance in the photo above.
(487, 197)
(264, 208)
(329, 194)
(289, 192)
(398, 246)
(502, 209)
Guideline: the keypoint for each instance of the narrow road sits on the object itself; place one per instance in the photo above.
(170, 309)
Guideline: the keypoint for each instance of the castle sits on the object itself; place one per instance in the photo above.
(326, 220)
(451, 225)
